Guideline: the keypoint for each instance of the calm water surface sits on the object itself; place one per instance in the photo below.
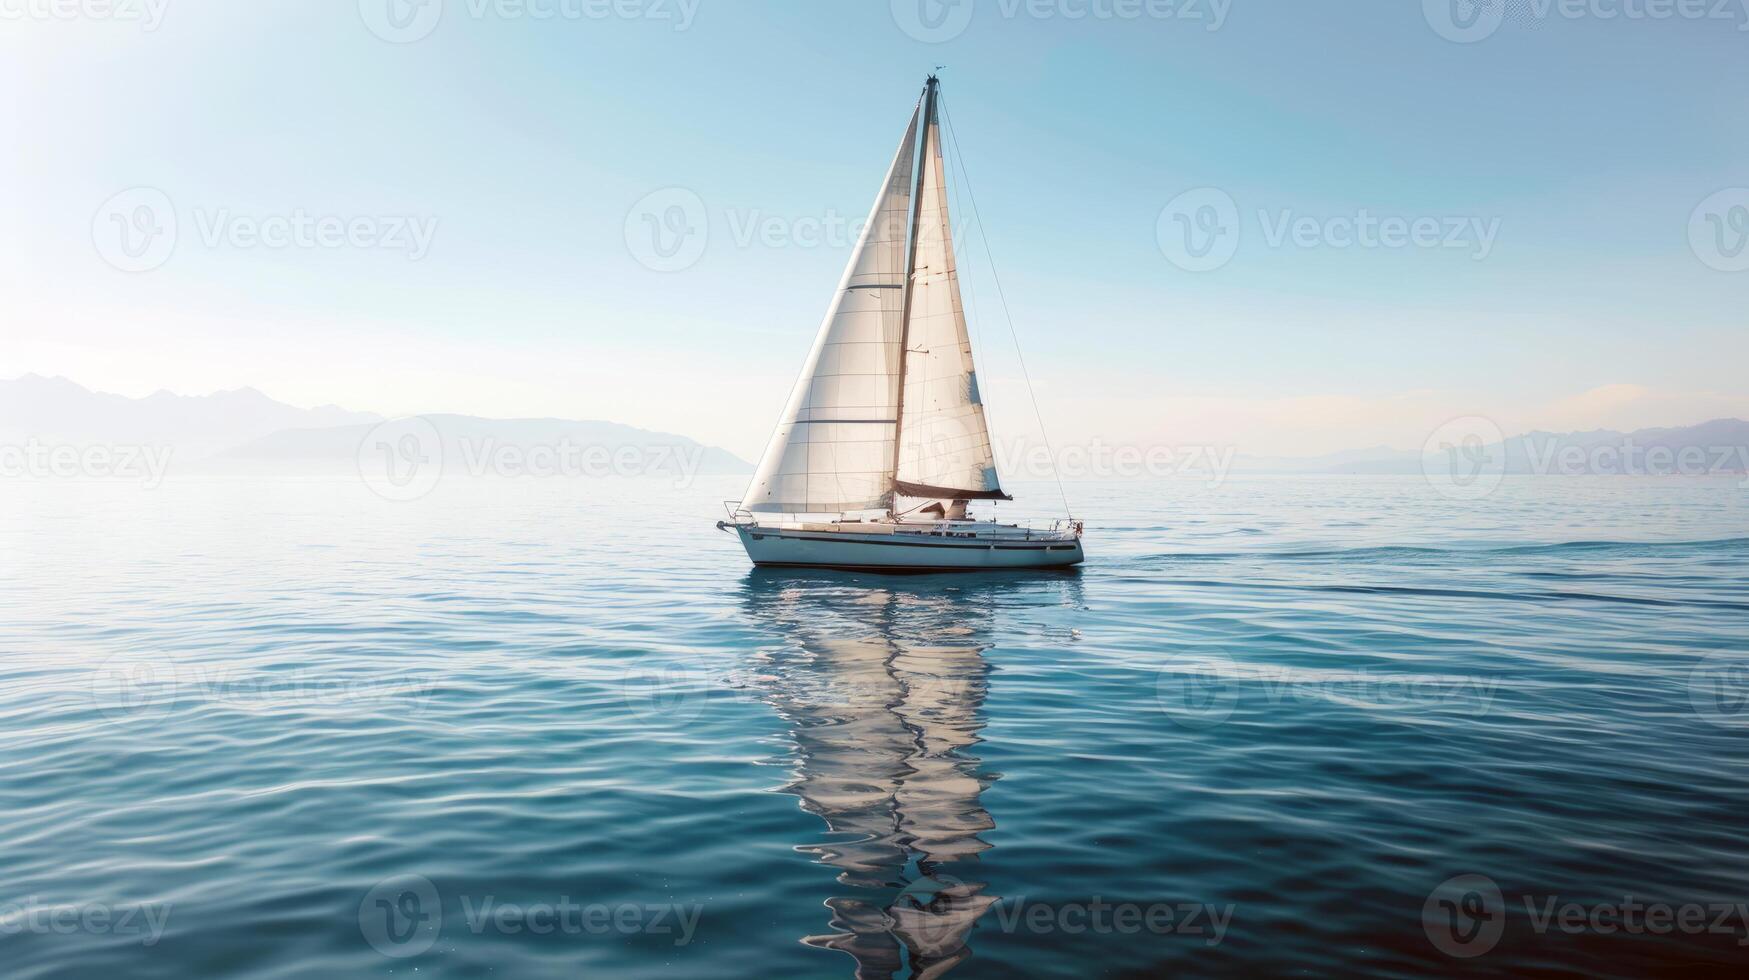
(283, 728)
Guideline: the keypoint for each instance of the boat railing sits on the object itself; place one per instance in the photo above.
(1056, 529)
(737, 513)
(1030, 530)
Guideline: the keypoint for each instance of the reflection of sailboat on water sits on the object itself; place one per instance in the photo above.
(883, 692)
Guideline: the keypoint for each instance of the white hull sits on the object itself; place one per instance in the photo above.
(950, 547)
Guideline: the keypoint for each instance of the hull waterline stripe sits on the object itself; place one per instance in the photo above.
(918, 569)
(917, 544)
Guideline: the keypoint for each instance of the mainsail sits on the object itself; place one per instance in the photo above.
(887, 405)
(833, 448)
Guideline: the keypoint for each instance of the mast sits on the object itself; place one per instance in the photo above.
(929, 89)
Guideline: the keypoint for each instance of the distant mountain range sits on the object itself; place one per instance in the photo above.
(246, 426)
(1719, 446)
(59, 411)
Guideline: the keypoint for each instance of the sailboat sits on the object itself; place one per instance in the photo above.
(884, 442)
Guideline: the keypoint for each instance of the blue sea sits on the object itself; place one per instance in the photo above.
(275, 727)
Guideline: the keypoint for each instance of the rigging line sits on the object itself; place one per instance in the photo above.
(1002, 297)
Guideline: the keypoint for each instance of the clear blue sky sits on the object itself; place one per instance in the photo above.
(1590, 141)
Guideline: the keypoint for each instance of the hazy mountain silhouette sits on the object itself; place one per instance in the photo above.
(56, 410)
(246, 426)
